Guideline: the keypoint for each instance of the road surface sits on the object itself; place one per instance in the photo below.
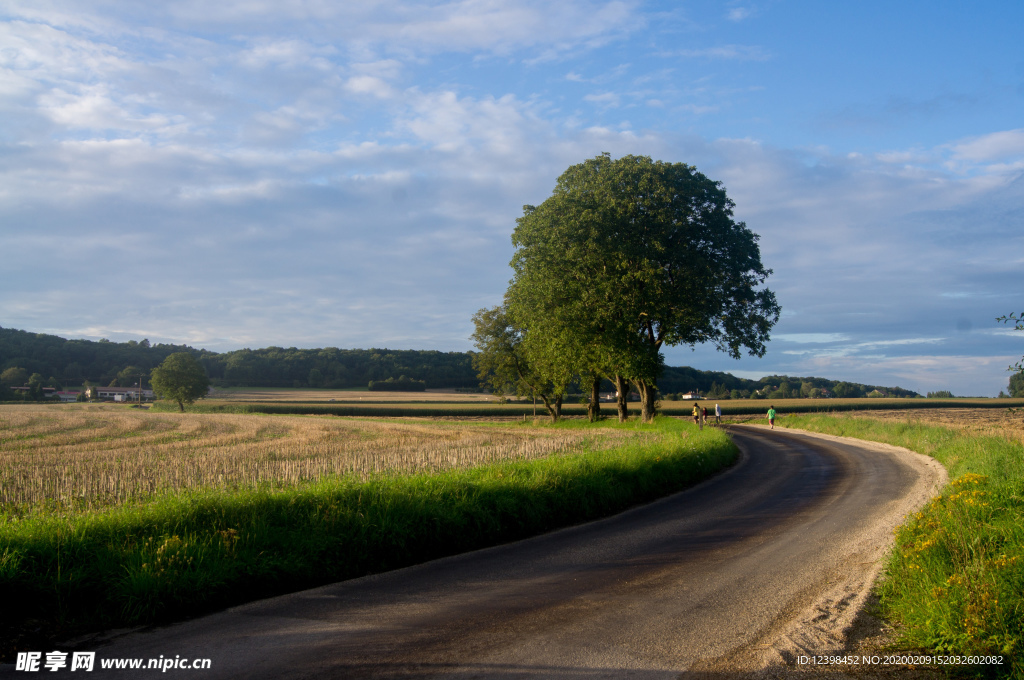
(764, 561)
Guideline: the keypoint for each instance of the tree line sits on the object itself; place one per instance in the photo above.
(677, 381)
(60, 362)
(38, 360)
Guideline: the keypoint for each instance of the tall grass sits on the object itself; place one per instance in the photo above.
(184, 553)
(955, 578)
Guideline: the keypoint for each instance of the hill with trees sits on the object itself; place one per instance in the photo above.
(61, 362)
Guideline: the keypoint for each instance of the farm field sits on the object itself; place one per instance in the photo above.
(461, 405)
(286, 394)
(113, 516)
(95, 455)
(1005, 423)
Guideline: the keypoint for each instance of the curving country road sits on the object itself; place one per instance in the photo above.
(769, 559)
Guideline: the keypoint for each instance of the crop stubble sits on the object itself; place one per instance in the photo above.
(1007, 423)
(102, 455)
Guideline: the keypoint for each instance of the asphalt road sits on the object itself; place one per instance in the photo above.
(721, 576)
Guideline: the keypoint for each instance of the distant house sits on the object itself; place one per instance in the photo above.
(66, 396)
(691, 395)
(118, 393)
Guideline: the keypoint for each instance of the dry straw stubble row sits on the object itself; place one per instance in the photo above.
(90, 456)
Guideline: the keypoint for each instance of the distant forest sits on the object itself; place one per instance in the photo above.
(62, 363)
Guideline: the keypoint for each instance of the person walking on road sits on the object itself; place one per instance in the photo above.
(718, 414)
(771, 416)
(696, 416)
(703, 416)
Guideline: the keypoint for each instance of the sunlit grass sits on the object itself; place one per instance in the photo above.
(955, 578)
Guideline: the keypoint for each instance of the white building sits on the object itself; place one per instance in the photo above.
(119, 393)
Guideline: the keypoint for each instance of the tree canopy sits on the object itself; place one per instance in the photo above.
(182, 378)
(1017, 379)
(628, 256)
(72, 362)
(503, 362)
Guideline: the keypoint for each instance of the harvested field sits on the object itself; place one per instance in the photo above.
(1007, 422)
(96, 455)
(283, 394)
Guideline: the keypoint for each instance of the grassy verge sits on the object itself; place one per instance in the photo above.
(181, 555)
(955, 578)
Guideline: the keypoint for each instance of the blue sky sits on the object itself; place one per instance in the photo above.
(315, 173)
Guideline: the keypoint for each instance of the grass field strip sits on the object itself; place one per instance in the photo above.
(954, 582)
(107, 455)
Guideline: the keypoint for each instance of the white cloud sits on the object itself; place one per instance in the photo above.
(962, 374)
(991, 147)
(812, 338)
(369, 85)
(496, 26)
(738, 52)
(739, 13)
(604, 99)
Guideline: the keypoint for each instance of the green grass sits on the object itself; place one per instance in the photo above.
(955, 578)
(178, 556)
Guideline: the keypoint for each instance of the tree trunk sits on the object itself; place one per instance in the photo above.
(648, 400)
(181, 405)
(622, 393)
(554, 407)
(594, 407)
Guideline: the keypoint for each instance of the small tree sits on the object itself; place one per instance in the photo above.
(502, 362)
(14, 376)
(1016, 380)
(940, 394)
(35, 387)
(182, 378)
(1017, 385)
(130, 376)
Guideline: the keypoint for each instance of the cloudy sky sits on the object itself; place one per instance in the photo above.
(246, 173)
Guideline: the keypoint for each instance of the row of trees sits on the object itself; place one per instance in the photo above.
(626, 257)
(73, 362)
(719, 385)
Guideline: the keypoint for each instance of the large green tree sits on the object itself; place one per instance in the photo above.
(630, 255)
(182, 378)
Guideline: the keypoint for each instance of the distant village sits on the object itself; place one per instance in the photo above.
(117, 394)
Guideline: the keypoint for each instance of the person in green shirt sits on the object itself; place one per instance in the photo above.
(771, 416)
